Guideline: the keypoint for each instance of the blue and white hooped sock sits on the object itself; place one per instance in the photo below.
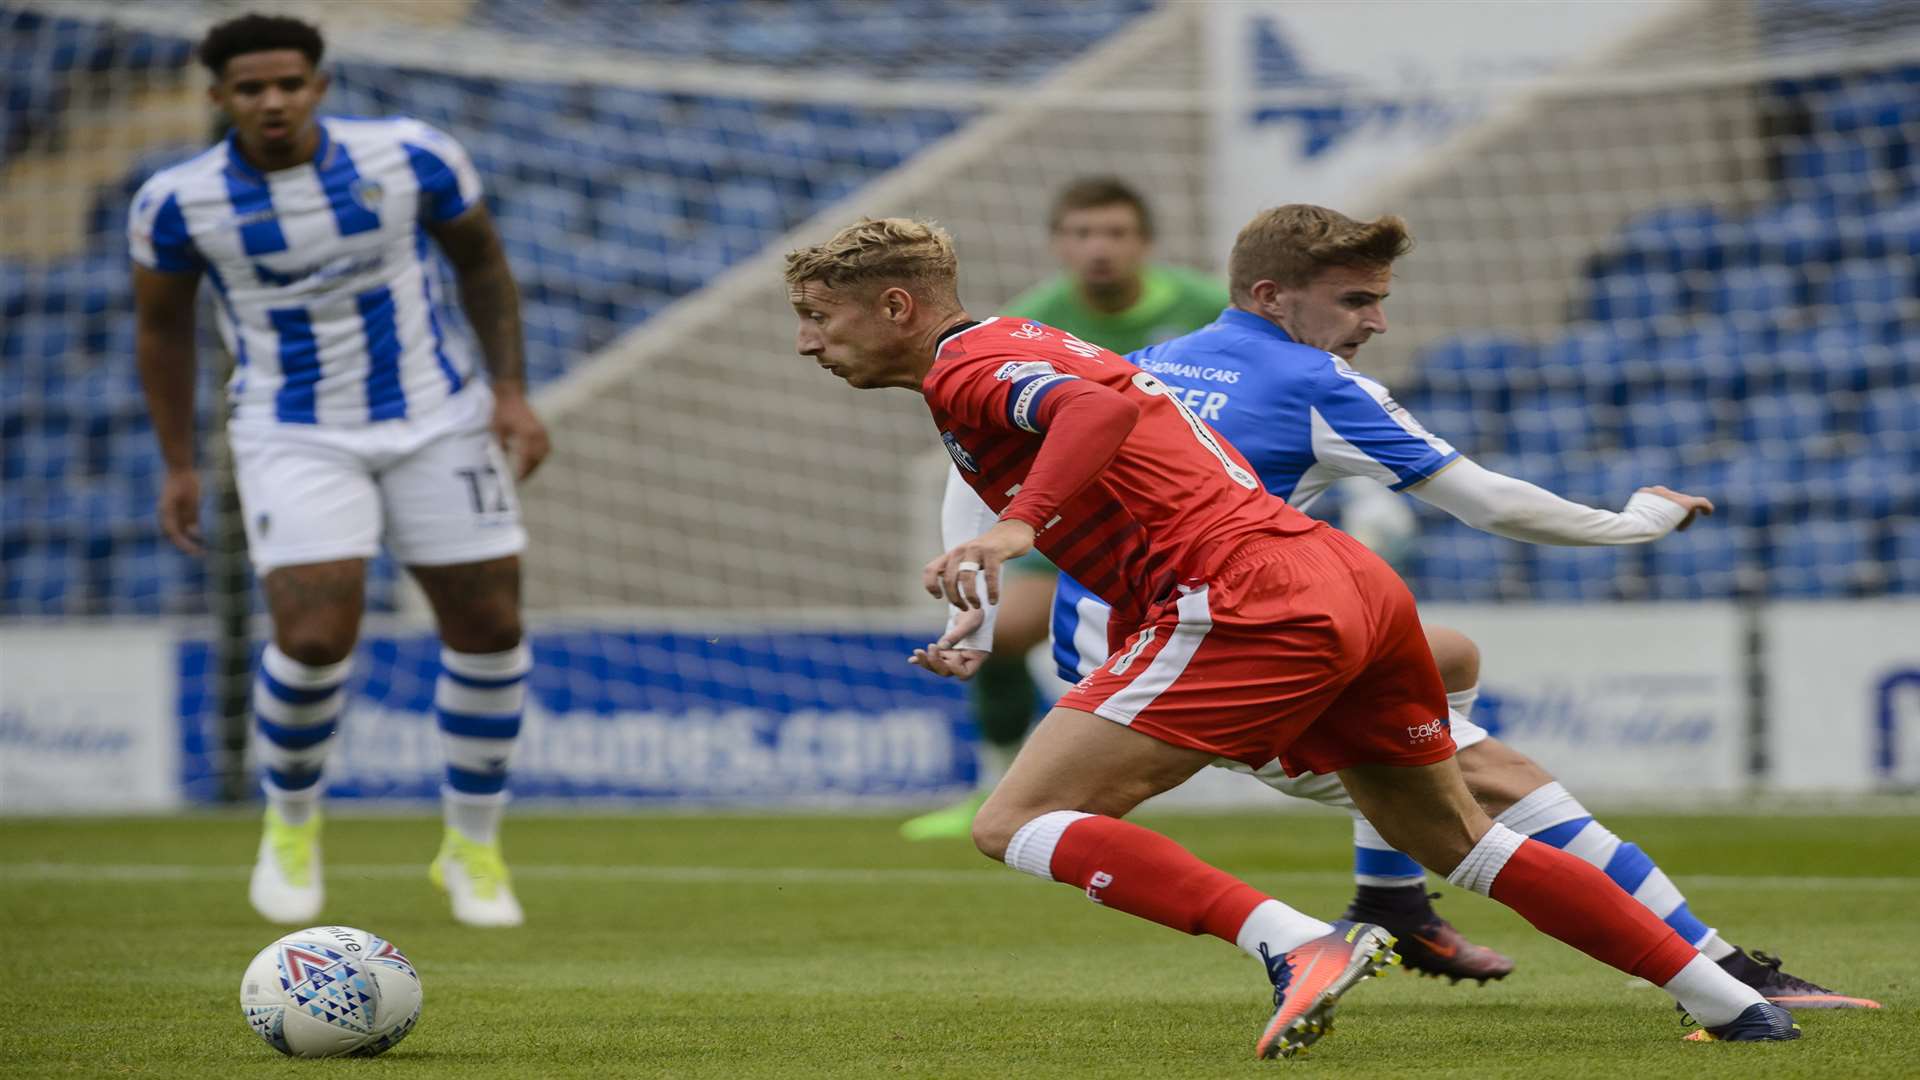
(296, 712)
(1380, 864)
(1552, 816)
(479, 700)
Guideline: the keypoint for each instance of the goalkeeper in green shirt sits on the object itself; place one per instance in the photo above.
(1108, 294)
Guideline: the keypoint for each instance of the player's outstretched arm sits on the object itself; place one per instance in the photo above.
(1362, 431)
(1510, 507)
(491, 300)
(163, 348)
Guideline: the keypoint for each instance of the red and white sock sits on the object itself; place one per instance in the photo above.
(1567, 898)
(1141, 872)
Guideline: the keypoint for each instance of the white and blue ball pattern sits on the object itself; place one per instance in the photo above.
(331, 990)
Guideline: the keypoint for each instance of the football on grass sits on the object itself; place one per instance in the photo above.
(331, 990)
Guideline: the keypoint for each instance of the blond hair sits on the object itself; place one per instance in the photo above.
(894, 251)
(1290, 245)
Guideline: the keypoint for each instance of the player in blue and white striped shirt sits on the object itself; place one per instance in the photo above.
(357, 419)
(1272, 375)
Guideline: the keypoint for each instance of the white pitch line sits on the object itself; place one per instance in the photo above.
(26, 872)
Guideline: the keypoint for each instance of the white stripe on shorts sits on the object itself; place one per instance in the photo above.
(1195, 620)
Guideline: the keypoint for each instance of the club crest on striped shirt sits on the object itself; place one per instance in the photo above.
(959, 453)
(367, 193)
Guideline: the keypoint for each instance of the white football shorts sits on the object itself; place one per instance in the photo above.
(1326, 788)
(436, 488)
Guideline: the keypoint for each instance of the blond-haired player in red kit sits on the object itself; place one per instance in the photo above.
(1258, 634)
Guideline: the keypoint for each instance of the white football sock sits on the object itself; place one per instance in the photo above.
(476, 817)
(1279, 929)
(1709, 994)
(1031, 849)
(1486, 860)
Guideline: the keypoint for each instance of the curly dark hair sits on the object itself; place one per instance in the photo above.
(258, 33)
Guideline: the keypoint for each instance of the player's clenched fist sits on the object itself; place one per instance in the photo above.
(956, 576)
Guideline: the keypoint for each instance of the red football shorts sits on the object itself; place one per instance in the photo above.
(1304, 648)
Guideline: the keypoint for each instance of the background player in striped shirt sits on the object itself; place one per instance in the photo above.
(358, 417)
(1109, 293)
(1272, 375)
(1255, 634)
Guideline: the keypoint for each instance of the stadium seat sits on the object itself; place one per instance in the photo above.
(1793, 234)
(1891, 418)
(1867, 287)
(1455, 563)
(1792, 419)
(1667, 422)
(1550, 423)
(1635, 297)
(1903, 557)
(1761, 289)
(1584, 573)
(1764, 486)
(1702, 563)
(41, 577)
(1666, 240)
(1821, 558)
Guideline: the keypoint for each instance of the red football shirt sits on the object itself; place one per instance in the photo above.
(1173, 504)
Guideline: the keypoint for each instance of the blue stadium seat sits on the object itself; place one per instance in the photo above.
(1452, 417)
(1667, 422)
(1700, 564)
(1452, 562)
(1667, 240)
(1819, 358)
(1840, 173)
(1756, 289)
(879, 39)
(1870, 288)
(1794, 233)
(1550, 423)
(1819, 558)
(1583, 573)
(43, 453)
(1891, 417)
(1764, 485)
(1792, 419)
(1891, 232)
(146, 575)
(1635, 297)
(40, 577)
(1867, 487)
(1903, 557)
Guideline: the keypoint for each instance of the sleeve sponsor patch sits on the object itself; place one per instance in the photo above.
(1020, 369)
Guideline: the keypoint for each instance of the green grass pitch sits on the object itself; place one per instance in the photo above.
(736, 946)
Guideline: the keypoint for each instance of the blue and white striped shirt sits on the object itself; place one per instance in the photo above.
(323, 272)
(1302, 417)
